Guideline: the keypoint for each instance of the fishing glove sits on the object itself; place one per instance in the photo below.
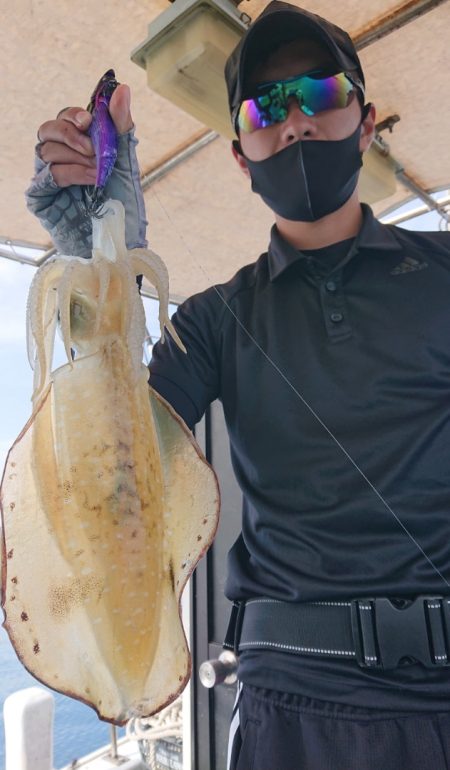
(62, 210)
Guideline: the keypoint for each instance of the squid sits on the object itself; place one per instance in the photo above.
(107, 501)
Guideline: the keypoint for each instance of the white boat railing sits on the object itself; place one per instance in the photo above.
(28, 719)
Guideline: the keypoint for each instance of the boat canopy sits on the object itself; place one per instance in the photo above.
(203, 219)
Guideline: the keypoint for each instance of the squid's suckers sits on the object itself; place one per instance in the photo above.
(104, 137)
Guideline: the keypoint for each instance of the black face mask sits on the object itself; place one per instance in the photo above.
(308, 179)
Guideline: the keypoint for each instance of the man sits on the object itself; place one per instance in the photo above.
(331, 358)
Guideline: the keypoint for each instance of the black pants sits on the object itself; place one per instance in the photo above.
(279, 731)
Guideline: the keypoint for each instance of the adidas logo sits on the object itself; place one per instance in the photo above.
(408, 265)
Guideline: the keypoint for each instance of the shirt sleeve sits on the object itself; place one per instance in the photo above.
(190, 382)
(62, 210)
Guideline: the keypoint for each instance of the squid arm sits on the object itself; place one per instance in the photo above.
(41, 319)
(65, 289)
(104, 280)
(153, 268)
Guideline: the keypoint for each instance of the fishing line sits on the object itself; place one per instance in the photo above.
(302, 399)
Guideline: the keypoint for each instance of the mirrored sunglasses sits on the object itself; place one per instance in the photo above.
(313, 92)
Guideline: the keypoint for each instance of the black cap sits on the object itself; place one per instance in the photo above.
(279, 23)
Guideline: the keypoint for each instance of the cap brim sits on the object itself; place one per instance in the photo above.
(280, 22)
(269, 32)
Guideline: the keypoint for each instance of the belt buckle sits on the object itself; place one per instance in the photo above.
(384, 634)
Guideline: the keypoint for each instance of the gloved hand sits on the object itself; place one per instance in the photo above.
(65, 161)
(63, 142)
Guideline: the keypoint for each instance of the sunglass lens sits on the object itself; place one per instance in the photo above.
(262, 111)
(323, 94)
(312, 94)
(248, 116)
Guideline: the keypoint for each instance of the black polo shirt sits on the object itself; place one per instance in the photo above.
(353, 341)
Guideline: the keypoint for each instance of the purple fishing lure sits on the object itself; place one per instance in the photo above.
(104, 137)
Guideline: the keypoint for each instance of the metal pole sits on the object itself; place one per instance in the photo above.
(410, 184)
(411, 214)
(179, 157)
(114, 754)
(393, 20)
(407, 181)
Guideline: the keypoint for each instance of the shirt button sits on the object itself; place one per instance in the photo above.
(336, 318)
(330, 286)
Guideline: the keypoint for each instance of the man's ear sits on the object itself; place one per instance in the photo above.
(236, 149)
(367, 127)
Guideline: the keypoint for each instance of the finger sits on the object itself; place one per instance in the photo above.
(66, 132)
(55, 152)
(119, 108)
(67, 174)
(80, 117)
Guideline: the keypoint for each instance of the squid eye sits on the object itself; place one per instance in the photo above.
(82, 316)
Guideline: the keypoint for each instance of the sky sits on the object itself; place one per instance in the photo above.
(15, 372)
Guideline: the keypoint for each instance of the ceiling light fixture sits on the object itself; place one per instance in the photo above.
(184, 55)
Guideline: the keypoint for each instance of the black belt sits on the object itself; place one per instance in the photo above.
(375, 632)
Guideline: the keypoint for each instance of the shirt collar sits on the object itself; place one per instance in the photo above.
(372, 235)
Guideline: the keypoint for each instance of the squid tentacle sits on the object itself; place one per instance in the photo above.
(41, 377)
(158, 271)
(65, 288)
(30, 343)
(137, 323)
(129, 292)
(42, 288)
(104, 279)
(151, 266)
(46, 278)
